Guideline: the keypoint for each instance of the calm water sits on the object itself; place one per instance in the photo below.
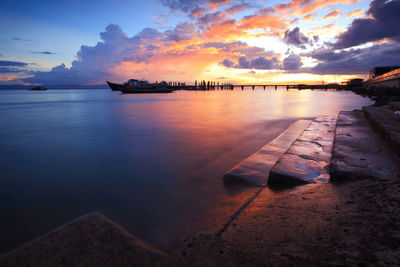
(153, 163)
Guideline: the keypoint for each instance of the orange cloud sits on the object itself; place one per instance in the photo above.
(215, 4)
(180, 67)
(355, 13)
(262, 22)
(333, 14)
(310, 17)
(301, 7)
(325, 29)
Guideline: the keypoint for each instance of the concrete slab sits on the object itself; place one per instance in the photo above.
(307, 159)
(254, 170)
(395, 106)
(386, 123)
(91, 240)
(358, 152)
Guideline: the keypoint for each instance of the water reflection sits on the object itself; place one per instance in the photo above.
(153, 163)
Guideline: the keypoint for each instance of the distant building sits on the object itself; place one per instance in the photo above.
(388, 76)
(377, 71)
(355, 83)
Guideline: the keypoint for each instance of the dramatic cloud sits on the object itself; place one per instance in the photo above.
(213, 35)
(356, 61)
(152, 55)
(95, 63)
(382, 23)
(296, 38)
(292, 62)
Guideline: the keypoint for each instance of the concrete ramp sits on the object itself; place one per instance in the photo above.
(254, 170)
(307, 159)
(91, 240)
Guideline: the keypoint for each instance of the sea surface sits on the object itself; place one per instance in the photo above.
(153, 163)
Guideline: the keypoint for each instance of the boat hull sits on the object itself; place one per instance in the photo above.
(146, 91)
(114, 86)
(138, 90)
(38, 88)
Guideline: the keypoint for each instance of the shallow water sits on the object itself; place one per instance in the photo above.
(153, 163)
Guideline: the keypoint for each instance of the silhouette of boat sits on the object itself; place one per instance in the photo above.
(133, 86)
(39, 88)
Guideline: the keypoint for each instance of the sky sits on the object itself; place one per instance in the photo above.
(248, 42)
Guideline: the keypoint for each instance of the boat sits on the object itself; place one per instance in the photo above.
(39, 88)
(134, 86)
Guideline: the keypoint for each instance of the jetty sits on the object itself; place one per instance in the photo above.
(212, 85)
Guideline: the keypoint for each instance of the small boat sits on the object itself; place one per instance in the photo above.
(140, 87)
(39, 88)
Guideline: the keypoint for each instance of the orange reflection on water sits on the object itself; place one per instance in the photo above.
(200, 135)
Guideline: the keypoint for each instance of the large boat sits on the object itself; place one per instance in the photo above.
(133, 86)
(38, 88)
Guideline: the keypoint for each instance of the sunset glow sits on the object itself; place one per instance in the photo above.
(236, 41)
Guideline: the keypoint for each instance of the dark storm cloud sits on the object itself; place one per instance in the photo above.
(194, 7)
(260, 63)
(211, 18)
(6, 63)
(183, 31)
(239, 47)
(184, 5)
(292, 62)
(383, 23)
(238, 8)
(227, 63)
(356, 61)
(296, 38)
(44, 53)
(7, 66)
(10, 70)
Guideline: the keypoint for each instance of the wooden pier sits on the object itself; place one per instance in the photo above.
(212, 85)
